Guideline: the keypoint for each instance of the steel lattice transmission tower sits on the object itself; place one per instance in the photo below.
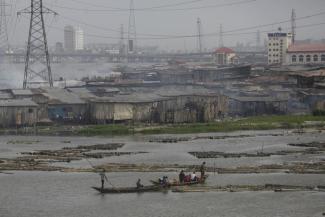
(199, 35)
(4, 44)
(37, 63)
(293, 25)
(132, 33)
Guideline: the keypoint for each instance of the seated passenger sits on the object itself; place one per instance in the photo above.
(193, 177)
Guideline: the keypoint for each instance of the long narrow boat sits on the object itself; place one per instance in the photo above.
(177, 183)
(151, 188)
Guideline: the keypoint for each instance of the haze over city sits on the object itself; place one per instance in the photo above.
(162, 108)
(101, 20)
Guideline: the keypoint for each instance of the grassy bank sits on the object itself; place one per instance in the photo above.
(252, 123)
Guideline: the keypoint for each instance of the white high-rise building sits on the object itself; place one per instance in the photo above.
(278, 44)
(79, 39)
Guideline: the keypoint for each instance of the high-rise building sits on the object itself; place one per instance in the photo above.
(278, 44)
(69, 39)
(79, 39)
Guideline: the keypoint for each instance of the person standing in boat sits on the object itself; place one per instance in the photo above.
(103, 177)
(181, 176)
(139, 185)
(202, 170)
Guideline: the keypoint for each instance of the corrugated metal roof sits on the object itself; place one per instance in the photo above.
(18, 103)
(62, 96)
(258, 99)
(131, 98)
(26, 92)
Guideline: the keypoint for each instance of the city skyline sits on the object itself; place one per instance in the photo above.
(170, 28)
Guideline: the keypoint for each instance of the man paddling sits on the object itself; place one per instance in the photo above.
(103, 177)
(202, 170)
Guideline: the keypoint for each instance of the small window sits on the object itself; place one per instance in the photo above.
(308, 58)
(30, 110)
(323, 58)
(315, 58)
(301, 58)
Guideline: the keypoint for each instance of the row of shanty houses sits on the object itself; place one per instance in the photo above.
(161, 104)
(82, 105)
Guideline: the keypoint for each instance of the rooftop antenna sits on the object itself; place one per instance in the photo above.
(37, 62)
(293, 25)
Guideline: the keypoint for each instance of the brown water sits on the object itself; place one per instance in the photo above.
(55, 194)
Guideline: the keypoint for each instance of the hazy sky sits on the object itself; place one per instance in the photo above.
(163, 21)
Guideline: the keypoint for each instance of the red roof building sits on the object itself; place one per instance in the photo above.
(311, 54)
(224, 50)
(225, 56)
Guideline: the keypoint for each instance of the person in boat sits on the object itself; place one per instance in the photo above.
(139, 185)
(193, 177)
(181, 176)
(202, 170)
(103, 177)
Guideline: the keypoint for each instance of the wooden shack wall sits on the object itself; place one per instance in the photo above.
(18, 116)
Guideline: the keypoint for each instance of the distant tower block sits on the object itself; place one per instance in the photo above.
(37, 63)
(4, 45)
(132, 33)
(69, 39)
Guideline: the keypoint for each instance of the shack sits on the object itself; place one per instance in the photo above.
(308, 79)
(125, 108)
(65, 106)
(18, 112)
(257, 105)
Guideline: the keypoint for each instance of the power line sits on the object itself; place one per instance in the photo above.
(193, 36)
(157, 8)
(204, 35)
(148, 8)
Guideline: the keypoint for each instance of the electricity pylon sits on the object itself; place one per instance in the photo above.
(37, 62)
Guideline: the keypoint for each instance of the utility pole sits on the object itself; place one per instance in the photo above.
(293, 25)
(221, 36)
(4, 44)
(199, 36)
(121, 44)
(258, 39)
(37, 62)
(132, 33)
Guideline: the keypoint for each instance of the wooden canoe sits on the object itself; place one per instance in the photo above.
(177, 183)
(152, 188)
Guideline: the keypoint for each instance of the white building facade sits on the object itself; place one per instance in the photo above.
(301, 54)
(278, 43)
(79, 39)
